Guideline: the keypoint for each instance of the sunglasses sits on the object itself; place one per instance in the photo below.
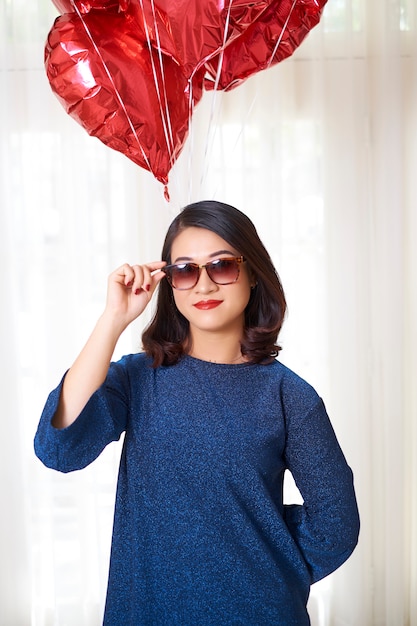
(221, 271)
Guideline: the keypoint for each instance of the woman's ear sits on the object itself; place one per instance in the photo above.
(253, 279)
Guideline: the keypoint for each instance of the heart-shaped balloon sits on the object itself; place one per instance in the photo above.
(132, 98)
(192, 31)
(271, 38)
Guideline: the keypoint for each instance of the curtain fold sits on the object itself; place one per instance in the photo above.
(321, 152)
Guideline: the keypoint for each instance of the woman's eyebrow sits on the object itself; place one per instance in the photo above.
(211, 256)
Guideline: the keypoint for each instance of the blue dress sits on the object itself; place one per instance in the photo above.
(201, 536)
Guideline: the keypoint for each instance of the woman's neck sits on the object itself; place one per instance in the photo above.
(216, 349)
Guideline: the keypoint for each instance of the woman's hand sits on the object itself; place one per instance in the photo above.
(130, 289)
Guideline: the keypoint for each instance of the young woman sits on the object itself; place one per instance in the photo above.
(212, 420)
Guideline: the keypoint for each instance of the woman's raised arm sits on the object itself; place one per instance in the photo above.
(130, 289)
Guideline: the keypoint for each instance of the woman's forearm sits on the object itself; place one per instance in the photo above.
(88, 372)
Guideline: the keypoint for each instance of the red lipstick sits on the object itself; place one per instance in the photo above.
(205, 305)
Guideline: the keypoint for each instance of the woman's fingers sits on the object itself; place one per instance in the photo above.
(145, 277)
(138, 275)
(129, 281)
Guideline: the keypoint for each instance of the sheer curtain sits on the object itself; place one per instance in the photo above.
(321, 152)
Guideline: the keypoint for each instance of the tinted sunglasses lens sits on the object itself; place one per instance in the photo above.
(223, 271)
(186, 275)
(183, 276)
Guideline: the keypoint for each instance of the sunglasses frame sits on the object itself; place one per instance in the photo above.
(210, 264)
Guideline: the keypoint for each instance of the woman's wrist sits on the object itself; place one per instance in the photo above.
(111, 324)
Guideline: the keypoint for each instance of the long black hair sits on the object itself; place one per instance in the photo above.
(165, 338)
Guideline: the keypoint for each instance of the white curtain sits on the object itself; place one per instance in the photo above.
(321, 152)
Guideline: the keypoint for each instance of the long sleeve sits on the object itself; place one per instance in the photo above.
(102, 420)
(326, 526)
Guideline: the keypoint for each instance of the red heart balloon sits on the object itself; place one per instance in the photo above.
(272, 37)
(133, 99)
(191, 32)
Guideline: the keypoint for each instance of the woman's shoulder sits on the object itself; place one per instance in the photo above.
(135, 364)
(294, 385)
(136, 359)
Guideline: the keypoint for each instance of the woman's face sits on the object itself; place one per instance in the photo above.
(207, 306)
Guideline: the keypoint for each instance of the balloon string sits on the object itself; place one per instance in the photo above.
(251, 106)
(190, 140)
(158, 42)
(284, 28)
(119, 98)
(166, 121)
(216, 84)
(218, 74)
(226, 28)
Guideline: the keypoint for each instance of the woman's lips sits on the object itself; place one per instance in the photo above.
(205, 305)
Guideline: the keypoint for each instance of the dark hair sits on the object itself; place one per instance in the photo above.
(165, 337)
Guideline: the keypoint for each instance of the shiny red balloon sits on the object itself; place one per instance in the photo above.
(271, 38)
(131, 71)
(109, 80)
(192, 31)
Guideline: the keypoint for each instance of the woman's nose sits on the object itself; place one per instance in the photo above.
(204, 283)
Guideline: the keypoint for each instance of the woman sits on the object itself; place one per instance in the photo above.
(211, 420)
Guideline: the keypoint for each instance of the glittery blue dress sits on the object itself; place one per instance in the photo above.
(201, 536)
